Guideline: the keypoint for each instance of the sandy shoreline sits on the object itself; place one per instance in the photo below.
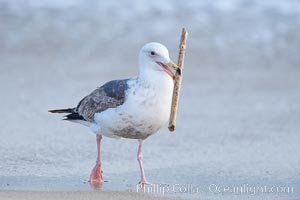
(14, 195)
(239, 110)
(204, 187)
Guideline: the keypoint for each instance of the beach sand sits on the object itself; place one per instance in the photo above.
(239, 110)
(13, 195)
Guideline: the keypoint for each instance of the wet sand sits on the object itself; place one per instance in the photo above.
(10, 195)
(239, 111)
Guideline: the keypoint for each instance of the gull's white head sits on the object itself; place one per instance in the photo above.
(154, 57)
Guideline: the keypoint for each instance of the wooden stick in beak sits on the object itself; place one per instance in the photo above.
(177, 81)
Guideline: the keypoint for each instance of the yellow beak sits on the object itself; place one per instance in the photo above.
(172, 65)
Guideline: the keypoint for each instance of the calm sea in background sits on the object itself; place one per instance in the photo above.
(239, 115)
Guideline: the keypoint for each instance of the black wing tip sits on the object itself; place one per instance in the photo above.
(66, 110)
(73, 116)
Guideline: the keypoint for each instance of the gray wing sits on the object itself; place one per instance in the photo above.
(110, 95)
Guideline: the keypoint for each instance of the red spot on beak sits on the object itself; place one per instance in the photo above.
(166, 69)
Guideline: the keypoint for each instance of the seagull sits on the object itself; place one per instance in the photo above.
(133, 108)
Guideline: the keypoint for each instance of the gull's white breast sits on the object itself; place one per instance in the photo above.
(145, 110)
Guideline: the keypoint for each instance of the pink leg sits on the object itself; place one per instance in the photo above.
(96, 175)
(139, 158)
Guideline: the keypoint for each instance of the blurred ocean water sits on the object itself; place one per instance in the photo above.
(242, 31)
(239, 110)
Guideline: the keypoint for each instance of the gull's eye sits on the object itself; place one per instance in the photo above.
(152, 53)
